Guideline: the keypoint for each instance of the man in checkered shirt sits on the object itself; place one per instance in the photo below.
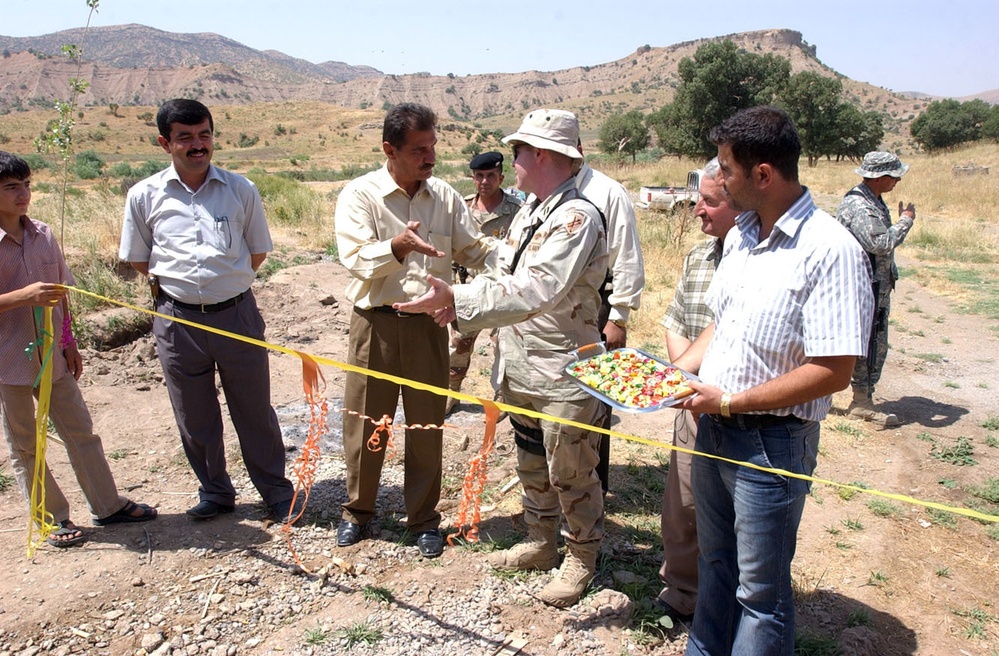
(687, 316)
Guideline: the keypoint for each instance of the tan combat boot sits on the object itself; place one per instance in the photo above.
(454, 384)
(862, 407)
(539, 551)
(578, 569)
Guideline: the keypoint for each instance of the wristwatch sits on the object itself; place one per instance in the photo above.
(620, 323)
(726, 403)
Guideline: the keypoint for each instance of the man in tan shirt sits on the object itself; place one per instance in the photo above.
(546, 308)
(394, 226)
(492, 209)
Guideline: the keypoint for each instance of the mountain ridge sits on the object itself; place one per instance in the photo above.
(139, 65)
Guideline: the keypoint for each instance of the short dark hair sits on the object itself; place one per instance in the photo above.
(759, 135)
(405, 117)
(12, 166)
(184, 111)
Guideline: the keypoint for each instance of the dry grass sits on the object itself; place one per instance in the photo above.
(665, 239)
(956, 238)
(930, 184)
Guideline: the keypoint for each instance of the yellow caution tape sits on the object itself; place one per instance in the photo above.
(39, 520)
(967, 512)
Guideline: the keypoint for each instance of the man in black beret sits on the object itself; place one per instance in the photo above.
(492, 210)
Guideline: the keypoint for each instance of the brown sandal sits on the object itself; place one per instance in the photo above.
(67, 535)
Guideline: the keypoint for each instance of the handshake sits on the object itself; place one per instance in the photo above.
(906, 210)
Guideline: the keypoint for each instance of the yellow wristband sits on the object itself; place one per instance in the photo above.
(725, 407)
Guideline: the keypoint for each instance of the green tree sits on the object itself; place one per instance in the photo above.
(624, 133)
(58, 135)
(856, 133)
(990, 128)
(812, 101)
(718, 81)
(946, 123)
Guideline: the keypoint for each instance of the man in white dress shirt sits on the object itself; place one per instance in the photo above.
(792, 302)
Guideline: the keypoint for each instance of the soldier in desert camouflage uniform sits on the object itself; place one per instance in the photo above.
(547, 306)
(866, 215)
(492, 210)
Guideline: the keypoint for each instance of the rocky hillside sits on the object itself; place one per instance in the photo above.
(141, 47)
(138, 65)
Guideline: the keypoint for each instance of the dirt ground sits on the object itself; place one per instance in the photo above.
(912, 582)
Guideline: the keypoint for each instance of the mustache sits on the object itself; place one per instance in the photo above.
(198, 151)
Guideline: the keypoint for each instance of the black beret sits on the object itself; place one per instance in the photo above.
(483, 161)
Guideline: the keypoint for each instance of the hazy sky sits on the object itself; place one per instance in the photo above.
(943, 48)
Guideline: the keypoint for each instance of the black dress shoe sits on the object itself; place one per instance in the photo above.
(283, 511)
(208, 509)
(348, 533)
(430, 543)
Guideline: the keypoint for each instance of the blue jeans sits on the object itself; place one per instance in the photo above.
(747, 525)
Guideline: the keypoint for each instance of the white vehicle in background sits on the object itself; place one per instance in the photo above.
(671, 199)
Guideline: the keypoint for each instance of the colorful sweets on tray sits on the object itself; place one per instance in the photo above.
(631, 378)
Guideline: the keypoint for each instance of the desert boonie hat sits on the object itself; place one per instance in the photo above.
(549, 129)
(486, 161)
(879, 163)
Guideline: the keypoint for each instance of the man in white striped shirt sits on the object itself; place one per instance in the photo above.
(791, 300)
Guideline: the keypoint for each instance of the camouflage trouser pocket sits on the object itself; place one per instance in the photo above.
(575, 454)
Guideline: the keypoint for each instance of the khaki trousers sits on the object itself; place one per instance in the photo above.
(72, 421)
(412, 347)
(564, 480)
(678, 523)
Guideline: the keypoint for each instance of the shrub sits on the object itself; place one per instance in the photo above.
(246, 141)
(36, 161)
(287, 201)
(121, 169)
(89, 165)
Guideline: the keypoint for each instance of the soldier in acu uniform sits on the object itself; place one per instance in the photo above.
(492, 210)
(866, 215)
(546, 306)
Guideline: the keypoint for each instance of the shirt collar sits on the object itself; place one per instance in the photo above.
(715, 250)
(555, 198)
(29, 227)
(789, 223)
(213, 174)
(869, 194)
(386, 184)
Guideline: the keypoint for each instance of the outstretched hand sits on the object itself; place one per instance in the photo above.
(410, 241)
(434, 302)
(906, 210)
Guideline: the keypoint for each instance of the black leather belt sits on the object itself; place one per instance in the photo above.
(388, 309)
(206, 308)
(749, 422)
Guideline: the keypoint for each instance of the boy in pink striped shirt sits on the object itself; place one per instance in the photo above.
(32, 272)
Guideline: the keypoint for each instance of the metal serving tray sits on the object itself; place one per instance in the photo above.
(598, 350)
